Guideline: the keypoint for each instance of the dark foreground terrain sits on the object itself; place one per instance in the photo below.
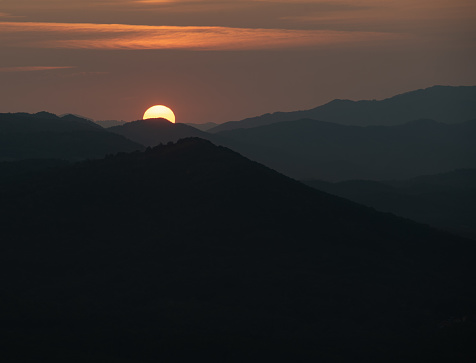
(190, 252)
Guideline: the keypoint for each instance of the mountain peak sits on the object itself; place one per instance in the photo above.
(45, 114)
(151, 132)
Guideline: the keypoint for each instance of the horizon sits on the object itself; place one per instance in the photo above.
(219, 123)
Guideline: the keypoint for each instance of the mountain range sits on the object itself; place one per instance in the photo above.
(46, 136)
(446, 104)
(310, 149)
(190, 250)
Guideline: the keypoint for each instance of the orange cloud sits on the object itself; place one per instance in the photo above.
(120, 36)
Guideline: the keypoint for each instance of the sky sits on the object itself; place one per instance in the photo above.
(221, 60)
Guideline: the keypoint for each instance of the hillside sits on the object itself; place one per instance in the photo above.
(310, 149)
(43, 122)
(446, 201)
(109, 123)
(46, 136)
(441, 103)
(203, 127)
(191, 250)
(152, 132)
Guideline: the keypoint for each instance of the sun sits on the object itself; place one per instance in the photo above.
(159, 111)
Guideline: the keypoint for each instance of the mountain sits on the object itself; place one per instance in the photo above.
(43, 122)
(310, 149)
(109, 123)
(46, 136)
(191, 250)
(152, 132)
(203, 127)
(441, 103)
(446, 201)
(75, 115)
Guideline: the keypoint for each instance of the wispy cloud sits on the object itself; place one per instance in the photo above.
(32, 68)
(120, 36)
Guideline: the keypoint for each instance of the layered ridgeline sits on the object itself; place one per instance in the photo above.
(312, 149)
(446, 201)
(307, 149)
(46, 136)
(441, 103)
(190, 250)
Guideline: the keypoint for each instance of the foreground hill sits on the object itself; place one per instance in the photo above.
(441, 103)
(46, 136)
(446, 201)
(190, 250)
(310, 149)
(152, 132)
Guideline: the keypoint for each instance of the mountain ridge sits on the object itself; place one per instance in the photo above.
(47, 136)
(444, 201)
(152, 132)
(449, 104)
(307, 148)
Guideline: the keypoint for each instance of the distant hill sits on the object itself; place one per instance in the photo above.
(203, 127)
(152, 132)
(446, 201)
(46, 136)
(441, 103)
(310, 149)
(109, 123)
(191, 250)
(75, 115)
(43, 122)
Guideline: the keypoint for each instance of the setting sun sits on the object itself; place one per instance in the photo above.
(159, 111)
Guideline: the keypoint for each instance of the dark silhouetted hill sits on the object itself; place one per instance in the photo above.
(42, 122)
(441, 103)
(190, 251)
(152, 132)
(310, 149)
(446, 201)
(46, 136)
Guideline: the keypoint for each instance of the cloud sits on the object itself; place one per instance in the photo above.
(32, 68)
(120, 36)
